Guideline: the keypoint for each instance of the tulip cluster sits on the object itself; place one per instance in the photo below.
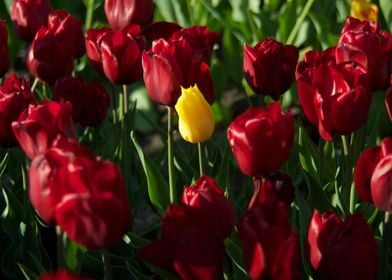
(192, 233)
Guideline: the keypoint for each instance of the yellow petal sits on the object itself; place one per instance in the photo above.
(364, 10)
(195, 116)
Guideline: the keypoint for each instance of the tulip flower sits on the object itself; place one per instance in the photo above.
(269, 67)
(269, 243)
(15, 97)
(28, 16)
(334, 97)
(206, 196)
(4, 55)
(342, 249)
(62, 274)
(121, 13)
(261, 139)
(364, 43)
(93, 47)
(388, 101)
(38, 126)
(364, 10)
(196, 119)
(373, 173)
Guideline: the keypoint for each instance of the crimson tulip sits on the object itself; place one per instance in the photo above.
(188, 246)
(261, 139)
(168, 65)
(28, 16)
(15, 97)
(364, 43)
(372, 175)
(270, 246)
(276, 186)
(93, 47)
(269, 67)
(38, 126)
(342, 249)
(4, 55)
(206, 196)
(334, 97)
(90, 101)
(62, 274)
(121, 13)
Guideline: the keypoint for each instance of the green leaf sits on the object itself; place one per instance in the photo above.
(235, 253)
(73, 255)
(386, 8)
(27, 273)
(157, 187)
(3, 164)
(161, 272)
(136, 241)
(136, 274)
(12, 214)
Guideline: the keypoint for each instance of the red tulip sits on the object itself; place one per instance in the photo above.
(388, 101)
(62, 274)
(121, 13)
(90, 101)
(342, 249)
(93, 47)
(261, 139)
(206, 196)
(160, 30)
(335, 98)
(28, 16)
(275, 187)
(15, 97)
(270, 246)
(269, 67)
(4, 55)
(365, 43)
(38, 126)
(188, 245)
(373, 174)
(170, 65)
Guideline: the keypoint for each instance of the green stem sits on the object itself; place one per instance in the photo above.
(348, 192)
(22, 157)
(199, 149)
(321, 161)
(107, 265)
(125, 96)
(386, 242)
(35, 83)
(60, 247)
(170, 157)
(299, 22)
(89, 14)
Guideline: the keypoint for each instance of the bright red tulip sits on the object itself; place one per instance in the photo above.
(28, 16)
(4, 55)
(270, 246)
(364, 43)
(170, 65)
(38, 126)
(206, 196)
(342, 249)
(261, 139)
(15, 97)
(121, 13)
(269, 67)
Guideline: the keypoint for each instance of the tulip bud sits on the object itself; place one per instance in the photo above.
(261, 139)
(15, 97)
(4, 55)
(28, 16)
(269, 67)
(196, 119)
(364, 10)
(121, 13)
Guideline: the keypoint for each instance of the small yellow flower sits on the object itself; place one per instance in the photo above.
(364, 10)
(196, 119)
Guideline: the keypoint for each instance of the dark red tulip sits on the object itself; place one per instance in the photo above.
(188, 247)
(90, 101)
(121, 13)
(38, 126)
(68, 29)
(4, 55)
(62, 274)
(28, 16)
(170, 65)
(48, 58)
(160, 30)
(206, 196)
(365, 43)
(275, 187)
(373, 174)
(270, 246)
(388, 101)
(342, 249)
(15, 97)
(269, 67)
(261, 139)
(334, 97)
(93, 47)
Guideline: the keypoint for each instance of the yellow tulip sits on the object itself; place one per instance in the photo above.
(195, 116)
(364, 10)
